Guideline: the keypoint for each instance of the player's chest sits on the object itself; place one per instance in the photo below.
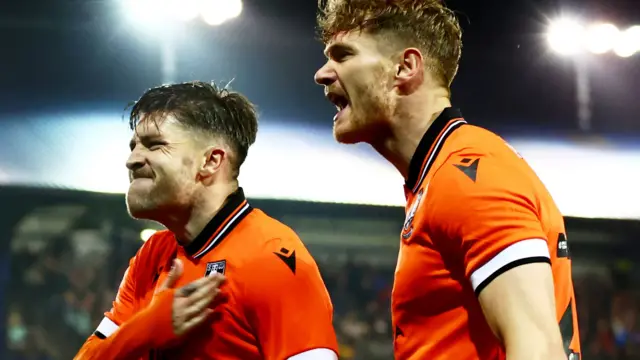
(226, 332)
(426, 272)
(217, 261)
(194, 269)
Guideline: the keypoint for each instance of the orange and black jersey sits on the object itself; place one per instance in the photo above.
(475, 209)
(276, 303)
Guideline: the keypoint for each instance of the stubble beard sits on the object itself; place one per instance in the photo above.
(141, 206)
(368, 118)
(153, 203)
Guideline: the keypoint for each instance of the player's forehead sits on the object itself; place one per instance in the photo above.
(156, 126)
(350, 41)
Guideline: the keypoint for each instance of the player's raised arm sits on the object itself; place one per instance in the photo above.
(493, 213)
(128, 332)
(287, 304)
(120, 333)
(125, 332)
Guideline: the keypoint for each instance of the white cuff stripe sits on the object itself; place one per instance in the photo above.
(521, 250)
(107, 327)
(316, 354)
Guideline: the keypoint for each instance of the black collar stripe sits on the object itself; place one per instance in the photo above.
(430, 145)
(226, 229)
(230, 214)
(454, 124)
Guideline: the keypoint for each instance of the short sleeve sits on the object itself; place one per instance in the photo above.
(123, 307)
(488, 208)
(125, 304)
(286, 301)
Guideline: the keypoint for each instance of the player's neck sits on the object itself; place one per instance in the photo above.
(411, 121)
(194, 220)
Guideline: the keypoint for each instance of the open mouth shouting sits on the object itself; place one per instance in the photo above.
(340, 101)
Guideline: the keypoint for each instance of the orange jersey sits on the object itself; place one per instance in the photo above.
(276, 304)
(475, 209)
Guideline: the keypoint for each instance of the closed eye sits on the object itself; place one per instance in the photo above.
(150, 142)
(155, 145)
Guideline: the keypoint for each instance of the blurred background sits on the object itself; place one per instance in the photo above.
(559, 79)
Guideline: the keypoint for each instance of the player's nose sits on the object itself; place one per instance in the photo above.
(325, 75)
(135, 161)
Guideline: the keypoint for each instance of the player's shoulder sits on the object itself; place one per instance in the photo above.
(263, 228)
(275, 247)
(159, 242)
(157, 250)
(475, 140)
(477, 159)
(281, 268)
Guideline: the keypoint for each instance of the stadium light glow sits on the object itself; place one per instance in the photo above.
(211, 13)
(185, 10)
(565, 36)
(163, 12)
(628, 42)
(569, 37)
(216, 12)
(146, 234)
(600, 38)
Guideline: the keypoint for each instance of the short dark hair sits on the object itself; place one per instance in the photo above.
(425, 24)
(203, 107)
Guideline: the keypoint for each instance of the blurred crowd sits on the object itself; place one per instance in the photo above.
(58, 297)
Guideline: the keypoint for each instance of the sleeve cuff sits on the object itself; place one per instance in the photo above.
(316, 354)
(106, 328)
(519, 253)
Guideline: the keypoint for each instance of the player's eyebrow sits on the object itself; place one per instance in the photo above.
(336, 48)
(143, 139)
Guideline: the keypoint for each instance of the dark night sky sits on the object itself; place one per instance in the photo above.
(59, 55)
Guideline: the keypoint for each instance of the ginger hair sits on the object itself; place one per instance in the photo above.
(427, 25)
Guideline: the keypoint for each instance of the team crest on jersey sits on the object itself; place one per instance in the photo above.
(216, 267)
(407, 229)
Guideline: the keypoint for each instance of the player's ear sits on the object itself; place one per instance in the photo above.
(213, 158)
(409, 69)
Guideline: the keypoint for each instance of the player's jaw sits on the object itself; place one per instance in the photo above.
(343, 119)
(360, 115)
(345, 129)
(163, 189)
(358, 86)
(143, 196)
(340, 100)
(353, 107)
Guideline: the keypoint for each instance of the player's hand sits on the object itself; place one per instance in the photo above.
(191, 302)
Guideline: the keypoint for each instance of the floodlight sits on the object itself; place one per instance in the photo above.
(161, 12)
(628, 43)
(215, 12)
(164, 12)
(184, 10)
(143, 11)
(566, 36)
(601, 38)
(232, 8)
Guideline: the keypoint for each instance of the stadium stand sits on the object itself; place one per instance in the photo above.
(68, 256)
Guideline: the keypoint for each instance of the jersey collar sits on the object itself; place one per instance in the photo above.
(228, 217)
(430, 146)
